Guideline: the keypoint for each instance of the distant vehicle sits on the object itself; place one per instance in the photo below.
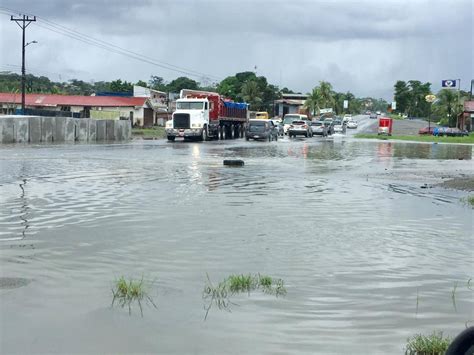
(455, 132)
(368, 112)
(289, 118)
(352, 124)
(347, 117)
(319, 128)
(385, 126)
(378, 113)
(339, 126)
(259, 129)
(300, 128)
(203, 115)
(329, 123)
(279, 127)
(426, 131)
(262, 115)
(373, 115)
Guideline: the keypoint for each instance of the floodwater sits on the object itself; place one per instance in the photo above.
(369, 247)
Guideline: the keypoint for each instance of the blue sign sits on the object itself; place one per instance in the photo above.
(449, 83)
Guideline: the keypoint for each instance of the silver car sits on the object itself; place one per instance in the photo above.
(300, 128)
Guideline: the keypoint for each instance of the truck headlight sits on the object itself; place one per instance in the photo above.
(169, 124)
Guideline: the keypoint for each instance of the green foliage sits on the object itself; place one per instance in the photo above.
(119, 86)
(126, 292)
(252, 94)
(142, 84)
(402, 96)
(410, 98)
(219, 295)
(434, 344)
(182, 83)
(448, 106)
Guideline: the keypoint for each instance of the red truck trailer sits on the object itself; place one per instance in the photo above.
(204, 115)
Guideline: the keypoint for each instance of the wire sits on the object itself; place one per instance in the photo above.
(62, 30)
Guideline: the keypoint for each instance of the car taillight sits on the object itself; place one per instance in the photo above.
(305, 126)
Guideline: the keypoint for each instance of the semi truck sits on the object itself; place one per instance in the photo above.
(202, 115)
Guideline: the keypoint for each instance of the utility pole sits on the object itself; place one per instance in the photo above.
(23, 22)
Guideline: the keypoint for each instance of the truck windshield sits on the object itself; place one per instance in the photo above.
(190, 105)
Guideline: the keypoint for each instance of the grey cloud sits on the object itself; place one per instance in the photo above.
(362, 46)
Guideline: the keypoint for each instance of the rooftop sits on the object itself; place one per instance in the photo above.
(51, 100)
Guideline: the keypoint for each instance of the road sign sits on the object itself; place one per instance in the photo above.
(394, 105)
(346, 103)
(430, 98)
(450, 83)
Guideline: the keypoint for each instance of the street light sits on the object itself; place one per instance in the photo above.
(23, 75)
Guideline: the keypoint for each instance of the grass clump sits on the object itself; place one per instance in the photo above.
(125, 292)
(469, 200)
(434, 344)
(219, 295)
(418, 138)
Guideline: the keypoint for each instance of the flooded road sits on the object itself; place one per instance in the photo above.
(369, 247)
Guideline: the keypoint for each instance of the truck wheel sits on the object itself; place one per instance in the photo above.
(247, 139)
(204, 135)
(276, 138)
(171, 138)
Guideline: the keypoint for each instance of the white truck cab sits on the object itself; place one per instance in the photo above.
(190, 120)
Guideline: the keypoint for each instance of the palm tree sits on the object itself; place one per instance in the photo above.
(313, 100)
(326, 93)
(448, 104)
(251, 94)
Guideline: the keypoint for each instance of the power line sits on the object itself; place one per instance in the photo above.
(60, 29)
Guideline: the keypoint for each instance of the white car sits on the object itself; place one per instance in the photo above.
(347, 117)
(352, 124)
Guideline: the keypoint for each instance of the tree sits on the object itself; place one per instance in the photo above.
(157, 83)
(252, 94)
(313, 101)
(141, 83)
(447, 107)
(326, 95)
(181, 83)
(119, 86)
(402, 96)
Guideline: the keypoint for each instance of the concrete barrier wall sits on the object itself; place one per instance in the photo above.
(35, 129)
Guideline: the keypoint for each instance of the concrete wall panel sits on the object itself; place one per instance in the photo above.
(101, 129)
(48, 128)
(34, 127)
(82, 129)
(60, 129)
(7, 130)
(70, 130)
(92, 130)
(110, 130)
(21, 129)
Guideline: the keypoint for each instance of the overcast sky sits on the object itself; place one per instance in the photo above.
(359, 46)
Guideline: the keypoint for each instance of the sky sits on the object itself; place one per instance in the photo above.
(362, 46)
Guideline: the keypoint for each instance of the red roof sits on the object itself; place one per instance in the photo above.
(469, 106)
(73, 100)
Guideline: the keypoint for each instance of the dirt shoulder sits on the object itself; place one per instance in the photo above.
(460, 183)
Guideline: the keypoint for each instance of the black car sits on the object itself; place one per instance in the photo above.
(261, 130)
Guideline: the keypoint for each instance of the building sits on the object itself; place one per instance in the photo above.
(466, 118)
(158, 100)
(290, 103)
(138, 109)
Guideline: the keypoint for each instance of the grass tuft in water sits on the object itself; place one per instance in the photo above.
(434, 344)
(469, 200)
(125, 292)
(219, 295)
(453, 295)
